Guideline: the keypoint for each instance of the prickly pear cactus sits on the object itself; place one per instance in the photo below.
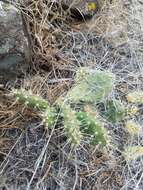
(71, 125)
(74, 123)
(34, 101)
(91, 85)
(114, 111)
(94, 128)
(27, 98)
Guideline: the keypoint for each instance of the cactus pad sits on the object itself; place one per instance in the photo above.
(27, 98)
(34, 101)
(91, 85)
(71, 125)
(91, 126)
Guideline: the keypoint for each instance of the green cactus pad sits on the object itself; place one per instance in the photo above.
(34, 101)
(71, 125)
(91, 126)
(114, 111)
(91, 85)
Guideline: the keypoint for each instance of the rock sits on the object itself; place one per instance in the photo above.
(10, 62)
(12, 39)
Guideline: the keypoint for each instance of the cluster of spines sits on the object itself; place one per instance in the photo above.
(133, 152)
(132, 110)
(133, 128)
(135, 97)
(49, 117)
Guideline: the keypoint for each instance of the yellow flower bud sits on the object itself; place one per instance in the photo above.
(91, 6)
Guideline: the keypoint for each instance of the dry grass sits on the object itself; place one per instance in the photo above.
(34, 158)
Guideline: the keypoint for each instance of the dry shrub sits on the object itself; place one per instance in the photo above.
(46, 27)
(49, 27)
(12, 114)
(50, 89)
(111, 22)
